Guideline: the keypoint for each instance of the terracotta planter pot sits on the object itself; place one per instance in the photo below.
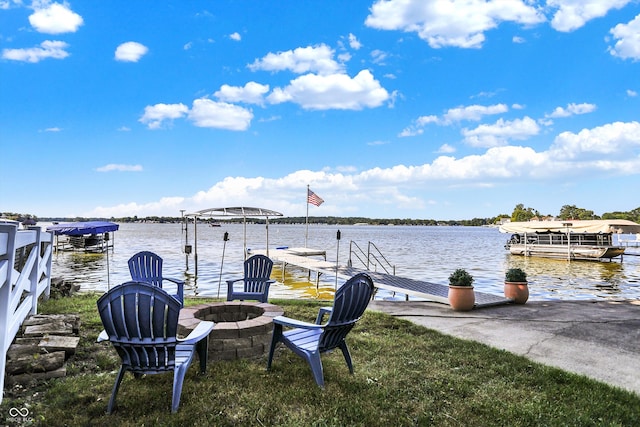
(517, 291)
(461, 298)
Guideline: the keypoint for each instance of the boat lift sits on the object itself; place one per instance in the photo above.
(231, 212)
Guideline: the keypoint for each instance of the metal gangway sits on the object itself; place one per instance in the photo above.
(373, 260)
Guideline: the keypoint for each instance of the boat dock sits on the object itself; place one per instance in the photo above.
(301, 257)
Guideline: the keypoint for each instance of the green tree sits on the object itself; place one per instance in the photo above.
(520, 213)
(574, 212)
(632, 215)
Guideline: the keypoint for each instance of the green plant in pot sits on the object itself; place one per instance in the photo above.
(461, 295)
(516, 286)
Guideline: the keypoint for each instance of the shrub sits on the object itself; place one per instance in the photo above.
(460, 277)
(515, 275)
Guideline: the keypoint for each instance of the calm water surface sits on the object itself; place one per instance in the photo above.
(422, 253)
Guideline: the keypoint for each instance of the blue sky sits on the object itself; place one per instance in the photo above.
(441, 109)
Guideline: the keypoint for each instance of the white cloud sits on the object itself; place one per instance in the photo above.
(164, 206)
(453, 115)
(130, 52)
(460, 23)
(155, 115)
(378, 56)
(47, 49)
(518, 39)
(53, 129)
(632, 93)
(203, 113)
(119, 168)
(501, 132)
(251, 93)
(235, 36)
(597, 151)
(472, 112)
(571, 110)
(8, 4)
(446, 149)
(425, 120)
(628, 40)
(314, 59)
(220, 115)
(354, 42)
(335, 91)
(499, 162)
(614, 140)
(410, 131)
(573, 14)
(344, 57)
(54, 18)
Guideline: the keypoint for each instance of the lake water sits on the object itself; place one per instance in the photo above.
(420, 252)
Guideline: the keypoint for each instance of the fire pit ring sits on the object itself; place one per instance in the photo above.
(242, 329)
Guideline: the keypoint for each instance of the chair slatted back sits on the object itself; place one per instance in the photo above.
(142, 323)
(257, 269)
(146, 266)
(350, 302)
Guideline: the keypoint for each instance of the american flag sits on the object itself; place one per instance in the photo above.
(313, 198)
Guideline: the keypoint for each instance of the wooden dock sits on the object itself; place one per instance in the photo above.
(301, 257)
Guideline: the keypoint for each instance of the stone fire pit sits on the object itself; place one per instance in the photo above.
(242, 329)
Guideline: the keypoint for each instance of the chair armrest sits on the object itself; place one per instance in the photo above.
(293, 323)
(103, 336)
(176, 281)
(180, 284)
(230, 287)
(201, 331)
(322, 312)
(268, 283)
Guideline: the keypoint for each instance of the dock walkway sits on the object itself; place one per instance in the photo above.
(389, 282)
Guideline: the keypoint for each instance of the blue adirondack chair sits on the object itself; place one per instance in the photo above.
(141, 321)
(256, 282)
(146, 266)
(309, 340)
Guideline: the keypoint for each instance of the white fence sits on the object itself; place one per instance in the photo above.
(25, 273)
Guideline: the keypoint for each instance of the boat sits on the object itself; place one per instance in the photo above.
(90, 236)
(570, 239)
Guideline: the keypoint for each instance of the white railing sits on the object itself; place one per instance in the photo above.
(25, 273)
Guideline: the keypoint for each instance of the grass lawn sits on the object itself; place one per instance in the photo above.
(405, 375)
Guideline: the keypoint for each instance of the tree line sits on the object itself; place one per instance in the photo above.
(520, 213)
(568, 212)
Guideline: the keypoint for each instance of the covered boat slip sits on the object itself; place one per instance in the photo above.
(389, 282)
(243, 212)
(89, 236)
(572, 240)
(595, 226)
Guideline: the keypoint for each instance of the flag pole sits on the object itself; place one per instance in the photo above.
(306, 233)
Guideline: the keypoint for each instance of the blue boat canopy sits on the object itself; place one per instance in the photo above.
(81, 228)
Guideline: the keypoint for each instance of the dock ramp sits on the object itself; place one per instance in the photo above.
(389, 282)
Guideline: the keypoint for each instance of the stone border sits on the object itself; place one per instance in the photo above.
(230, 340)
